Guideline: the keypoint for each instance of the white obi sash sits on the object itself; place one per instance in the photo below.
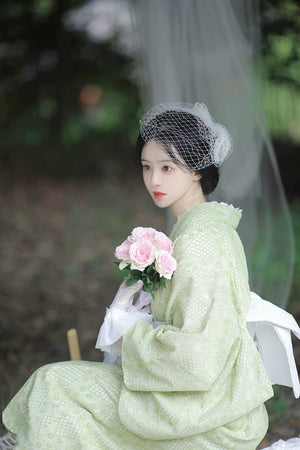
(269, 326)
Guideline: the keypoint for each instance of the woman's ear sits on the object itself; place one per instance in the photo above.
(197, 176)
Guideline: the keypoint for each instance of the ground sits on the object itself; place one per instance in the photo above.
(57, 272)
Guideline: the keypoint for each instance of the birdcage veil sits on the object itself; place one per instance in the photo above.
(198, 139)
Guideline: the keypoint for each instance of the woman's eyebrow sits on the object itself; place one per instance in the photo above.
(160, 161)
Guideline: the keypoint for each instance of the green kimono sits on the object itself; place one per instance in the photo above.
(195, 382)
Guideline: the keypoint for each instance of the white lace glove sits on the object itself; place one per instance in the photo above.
(120, 316)
(124, 296)
(143, 302)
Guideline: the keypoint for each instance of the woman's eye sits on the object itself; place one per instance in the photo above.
(146, 167)
(167, 168)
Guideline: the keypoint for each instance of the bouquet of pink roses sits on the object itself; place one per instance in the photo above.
(146, 255)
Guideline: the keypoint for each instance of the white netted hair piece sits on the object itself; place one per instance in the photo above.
(188, 128)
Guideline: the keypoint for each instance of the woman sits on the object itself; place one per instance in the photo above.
(196, 381)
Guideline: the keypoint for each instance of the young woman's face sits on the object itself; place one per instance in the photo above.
(167, 183)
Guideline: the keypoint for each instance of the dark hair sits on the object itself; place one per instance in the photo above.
(180, 130)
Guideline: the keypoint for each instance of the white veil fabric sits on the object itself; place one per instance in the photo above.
(206, 51)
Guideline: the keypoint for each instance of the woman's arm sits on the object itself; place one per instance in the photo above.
(203, 334)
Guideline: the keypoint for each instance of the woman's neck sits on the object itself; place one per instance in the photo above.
(196, 196)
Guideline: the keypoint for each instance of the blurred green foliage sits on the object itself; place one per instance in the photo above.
(281, 41)
(295, 292)
(281, 66)
(277, 407)
(70, 104)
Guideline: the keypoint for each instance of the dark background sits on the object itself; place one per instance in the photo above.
(69, 103)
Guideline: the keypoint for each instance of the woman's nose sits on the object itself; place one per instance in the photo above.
(156, 178)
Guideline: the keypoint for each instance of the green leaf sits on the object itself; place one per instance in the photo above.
(149, 269)
(131, 281)
(149, 290)
(136, 273)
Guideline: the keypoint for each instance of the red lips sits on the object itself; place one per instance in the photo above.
(159, 194)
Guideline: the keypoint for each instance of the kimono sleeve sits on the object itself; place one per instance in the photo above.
(202, 335)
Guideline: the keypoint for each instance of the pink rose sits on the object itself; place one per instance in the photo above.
(143, 233)
(163, 242)
(142, 254)
(122, 251)
(165, 264)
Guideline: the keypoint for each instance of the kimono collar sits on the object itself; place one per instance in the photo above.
(212, 212)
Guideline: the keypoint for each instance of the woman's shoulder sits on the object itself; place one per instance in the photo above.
(207, 217)
(209, 226)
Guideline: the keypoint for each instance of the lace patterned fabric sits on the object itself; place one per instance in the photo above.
(195, 382)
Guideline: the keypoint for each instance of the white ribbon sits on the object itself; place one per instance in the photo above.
(269, 326)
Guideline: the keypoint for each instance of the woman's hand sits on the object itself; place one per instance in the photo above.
(143, 302)
(124, 297)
